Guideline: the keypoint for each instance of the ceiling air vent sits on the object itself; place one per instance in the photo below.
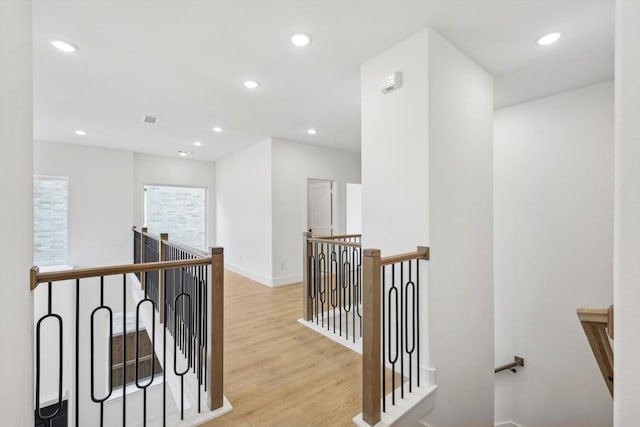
(150, 119)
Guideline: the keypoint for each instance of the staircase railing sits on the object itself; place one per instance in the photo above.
(391, 335)
(332, 283)
(598, 327)
(185, 283)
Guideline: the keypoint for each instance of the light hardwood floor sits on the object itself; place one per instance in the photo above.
(278, 372)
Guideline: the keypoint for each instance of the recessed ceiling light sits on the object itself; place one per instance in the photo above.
(197, 143)
(300, 40)
(217, 129)
(251, 84)
(80, 132)
(549, 38)
(312, 131)
(64, 46)
(184, 153)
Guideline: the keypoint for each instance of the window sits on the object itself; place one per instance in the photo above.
(179, 211)
(50, 220)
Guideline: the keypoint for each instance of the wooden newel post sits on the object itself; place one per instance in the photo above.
(142, 260)
(215, 398)
(371, 362)
(162, 256)
(307, 303)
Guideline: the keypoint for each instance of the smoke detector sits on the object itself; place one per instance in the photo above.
(150, 119)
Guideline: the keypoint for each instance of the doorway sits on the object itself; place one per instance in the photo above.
(321, 206)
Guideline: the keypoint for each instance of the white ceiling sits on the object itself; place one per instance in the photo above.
(185, 61)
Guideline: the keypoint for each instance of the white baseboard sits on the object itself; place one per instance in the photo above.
(287, 280)
(267, 281)
(508, 424)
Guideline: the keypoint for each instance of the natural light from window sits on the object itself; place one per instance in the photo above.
(179, 211)
(50, 221)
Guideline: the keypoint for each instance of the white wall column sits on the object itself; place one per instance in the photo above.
(626, 286)
(16, 218)
(427, 180)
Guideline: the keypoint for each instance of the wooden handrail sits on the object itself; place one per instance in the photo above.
(517, 361)
(598, 327)
(421, 253)
(334, 242)
(82, 273)
(186, 248)
(150, 235)
(337, 236)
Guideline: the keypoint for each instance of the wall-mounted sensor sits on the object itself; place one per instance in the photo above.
(392, 82)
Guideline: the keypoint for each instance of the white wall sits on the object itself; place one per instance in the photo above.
(354, 209)
(627, 215)
(395, 149)
(243, 211)
(100, 220)
(427, 179)
(461, 236)
(16, 215)
(100, 199)
(292, 164)
(553, 253)
(262, 204)
(157, 170)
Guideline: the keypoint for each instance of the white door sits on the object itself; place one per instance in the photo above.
(320, 207)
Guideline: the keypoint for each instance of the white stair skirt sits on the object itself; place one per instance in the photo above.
(347, 325)
(406, 412)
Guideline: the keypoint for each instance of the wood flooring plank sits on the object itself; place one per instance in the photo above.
(278, 372)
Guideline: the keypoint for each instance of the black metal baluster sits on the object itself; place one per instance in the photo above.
(199, 361)
(359, 286)
(337, 273)
(77, 379)
(346, 288)
(410, 349)
(164, 352)
(93, 313)
(418, 321)
(382, 329)
(137, 359)
(205, 315)
(333, 295)
(181, 295)
(316, 281)
(323, 282)
(393, 291)
(58, 318)
(399, 319)
(124, 349)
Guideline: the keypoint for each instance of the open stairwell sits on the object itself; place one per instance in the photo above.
(194, 401)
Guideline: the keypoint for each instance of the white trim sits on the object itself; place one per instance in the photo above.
(287, 280)
(357, 346)
(423, 398)
(508, 424)
(267, 281)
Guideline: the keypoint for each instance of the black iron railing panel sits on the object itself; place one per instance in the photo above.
(137, 250)
(335, 287)
(152, 278)
(185, 299)
(186, 313)
(400, 328)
